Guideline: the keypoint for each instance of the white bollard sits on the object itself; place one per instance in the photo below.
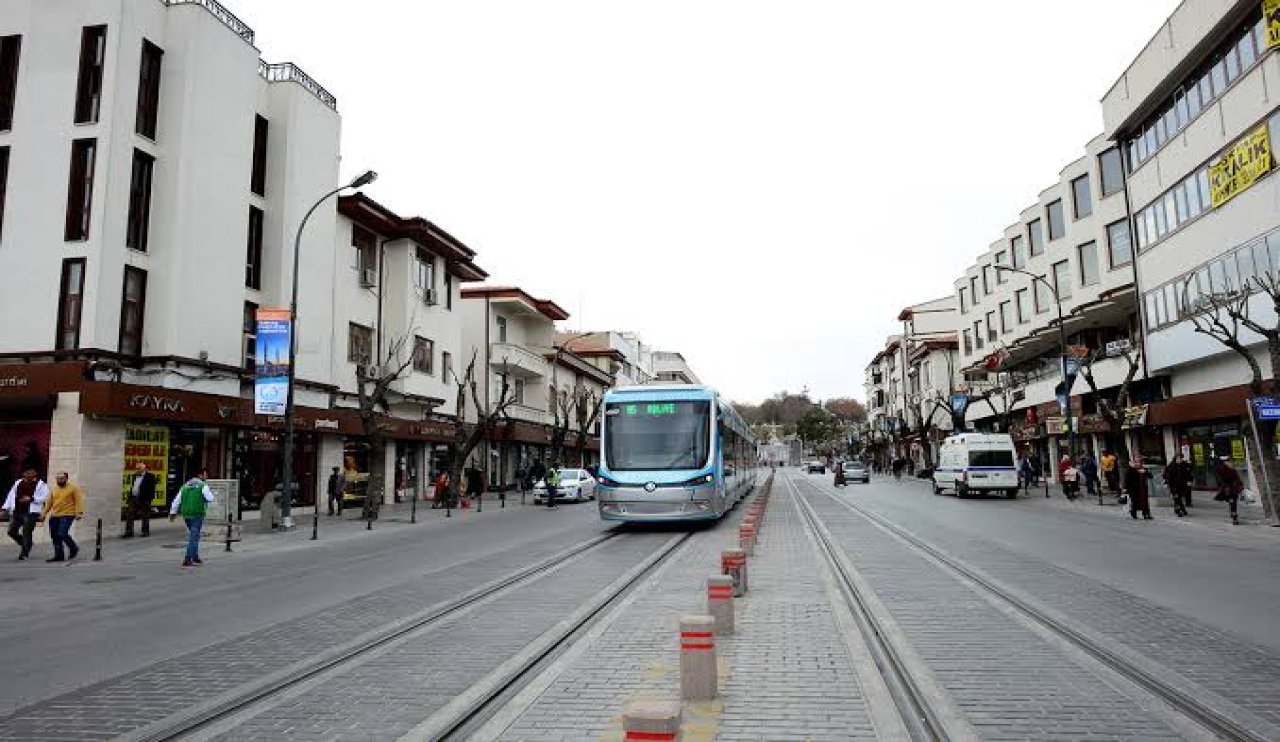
(699, 680)
(720, 603)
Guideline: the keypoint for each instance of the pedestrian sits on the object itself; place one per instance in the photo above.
(1089, 470)
(1070, 479)
(192, 502)
(141, 494)
(442, 490)
(65, 507)
(1111, 472)
(474, 484)
(24, 504)
(1135, 484)
(1178, 476)
(1230, 486)
(1026, 473)
(337, 487)
(553, 484)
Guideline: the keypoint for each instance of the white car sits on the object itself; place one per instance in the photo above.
(575, 484)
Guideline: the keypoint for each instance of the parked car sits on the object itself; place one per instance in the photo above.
(575, 484)
(856, 471)
(816, 467)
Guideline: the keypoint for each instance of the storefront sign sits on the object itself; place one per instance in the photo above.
(1237, 449)
(1271, 16)
(1267, 411)
(1240, 167)
(1197, 454)
(271, 382)
(1135, 417)
(13, 382)
(155, 402)
(325, 424)
(144, 444)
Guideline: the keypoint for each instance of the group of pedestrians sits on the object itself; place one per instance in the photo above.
(31, 501)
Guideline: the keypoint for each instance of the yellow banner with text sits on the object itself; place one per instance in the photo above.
(1240, 167)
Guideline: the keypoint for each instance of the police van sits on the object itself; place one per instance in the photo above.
(977, 463)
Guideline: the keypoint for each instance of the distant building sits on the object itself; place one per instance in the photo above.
(672, 367)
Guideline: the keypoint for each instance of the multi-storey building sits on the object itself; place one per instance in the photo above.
(1069, 255)
(190, 163)
(884, 383)
(931, 365)
(670, 366)
(1196, 115)
(621, 354)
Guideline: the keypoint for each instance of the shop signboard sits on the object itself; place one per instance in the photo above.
(226, 497)
(1271, 16)
(1265, 408)
(271, 377)
(1240, 167)
(146, 444)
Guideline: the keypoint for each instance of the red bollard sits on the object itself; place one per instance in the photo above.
(747, 539)
(733, 562)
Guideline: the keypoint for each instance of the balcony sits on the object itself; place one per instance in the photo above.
(518, 361)
(228, 19)
(290, 72)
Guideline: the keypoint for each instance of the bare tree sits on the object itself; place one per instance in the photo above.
(1001, 397)
(561, 404)
(1224, 316)
(1112, 406)
(586, 405)
(373, 386)
(467, 437)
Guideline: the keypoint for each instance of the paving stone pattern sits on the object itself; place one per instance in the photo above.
(1010, 683)
(387, 695)
(123, 704)
(785, 675)
(1244, 672)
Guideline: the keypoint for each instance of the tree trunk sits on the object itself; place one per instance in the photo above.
(375, 486)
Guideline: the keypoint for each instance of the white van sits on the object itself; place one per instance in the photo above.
(977, 463)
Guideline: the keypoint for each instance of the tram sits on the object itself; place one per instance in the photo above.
(671, 453)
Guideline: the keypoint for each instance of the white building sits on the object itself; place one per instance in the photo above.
(622, 354)
(669, 366)
(1196, 114)
(191, 164)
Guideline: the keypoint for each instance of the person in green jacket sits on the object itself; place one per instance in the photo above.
(192, 502)
(553, 485)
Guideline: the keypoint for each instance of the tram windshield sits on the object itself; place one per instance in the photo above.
(655, 436)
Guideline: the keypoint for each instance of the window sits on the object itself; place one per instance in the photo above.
(140, 201)
(93, 57)
(1062, 279)
(70, 304)
(4, 181)
(1081, 197)
(964, 304)
(1018, 249)
(253, 250)
(149, 90)
(1002, 258)
(517, 391)
(1111, 172)
(973, 289)
(978, 335)
(502, 329)
(1119, 247)
(258, 172)
(1088, 259)
(1035, 237)
(968, 340)
(249, 336)
(133, 305)
(424, 276)
(1020, 300)
(80, 189)
(1040, 292)
(1006, 324)
(448, 289)
(1057, 222)
(986, 280)
(424, 355)
(446, 366)
(10, 49)
(992, 334)
(366, 245)
(359, 344)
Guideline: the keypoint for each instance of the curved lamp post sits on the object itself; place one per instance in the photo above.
(1062, 355)
(286, 498)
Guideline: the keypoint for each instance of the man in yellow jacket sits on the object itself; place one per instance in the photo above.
(65, 507)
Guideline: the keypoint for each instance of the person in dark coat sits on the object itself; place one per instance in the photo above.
(1178, 476)
(1230, 486)
(1089, 469)
(1135, 483)
(141, 493)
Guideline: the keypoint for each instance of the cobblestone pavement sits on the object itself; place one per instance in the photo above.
(1009, 682)
(126, 702)
(786, 674)
(1242, 673)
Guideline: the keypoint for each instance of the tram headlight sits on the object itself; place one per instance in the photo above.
(608, 482)
(698, 481)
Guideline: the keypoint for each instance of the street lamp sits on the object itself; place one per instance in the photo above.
(286, 499)
(1062, 358)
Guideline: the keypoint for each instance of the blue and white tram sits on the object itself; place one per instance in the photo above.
(672, 453)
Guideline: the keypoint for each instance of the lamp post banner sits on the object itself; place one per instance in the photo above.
(271, 377)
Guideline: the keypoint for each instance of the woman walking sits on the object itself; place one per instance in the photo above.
(1178, 476)
(1230, 486)
(1135, 483)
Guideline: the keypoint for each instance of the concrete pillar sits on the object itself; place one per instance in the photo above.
(652, 720)
(389, 472)
(747, 538)
(733, 562)
(92, 453)
(720, 603)
(699, 680)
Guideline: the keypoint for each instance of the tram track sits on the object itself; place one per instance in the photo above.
(1176, 700)
(235, 702)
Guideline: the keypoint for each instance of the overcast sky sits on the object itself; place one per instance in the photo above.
(761, 186)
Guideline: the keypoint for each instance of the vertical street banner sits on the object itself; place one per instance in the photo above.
(1271, 16)
(144, 444)
(271, 377)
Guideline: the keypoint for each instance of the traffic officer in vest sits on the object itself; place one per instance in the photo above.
(192, 502)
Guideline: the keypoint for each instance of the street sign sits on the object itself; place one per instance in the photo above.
(1268, 411)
